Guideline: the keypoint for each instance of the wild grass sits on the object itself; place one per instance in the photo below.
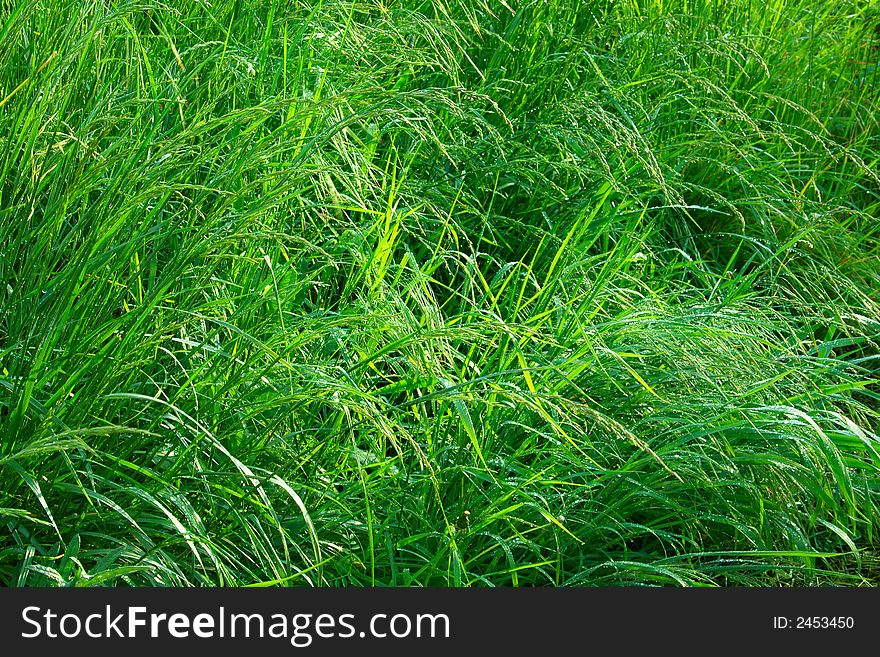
(439, 292)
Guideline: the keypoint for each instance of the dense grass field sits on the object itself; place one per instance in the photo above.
(439, 292)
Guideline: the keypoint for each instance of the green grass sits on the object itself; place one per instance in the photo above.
(439, 292)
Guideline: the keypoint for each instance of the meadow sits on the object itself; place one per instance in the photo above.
(439, 293)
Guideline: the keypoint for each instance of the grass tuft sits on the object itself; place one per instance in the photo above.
(439, 293)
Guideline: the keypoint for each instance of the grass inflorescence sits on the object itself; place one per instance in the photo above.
(439, 292)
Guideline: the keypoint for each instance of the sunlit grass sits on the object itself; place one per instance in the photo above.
(439, 293)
